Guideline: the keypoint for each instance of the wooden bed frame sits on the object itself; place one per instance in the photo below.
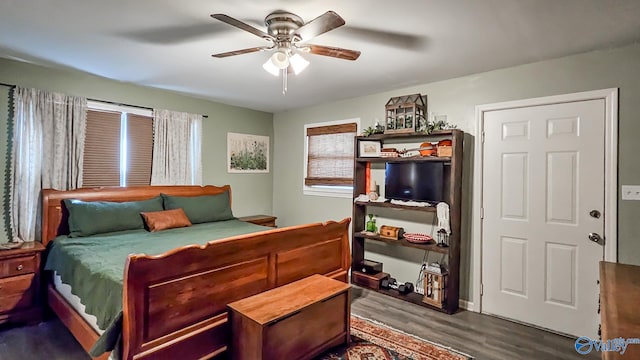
(174, 304)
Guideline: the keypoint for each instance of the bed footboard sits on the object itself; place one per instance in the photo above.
(175, 303)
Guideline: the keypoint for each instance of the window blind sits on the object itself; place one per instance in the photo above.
(139, 149)
(102, 149)
(330, 154)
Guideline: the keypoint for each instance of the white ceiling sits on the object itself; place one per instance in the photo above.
(167, 43)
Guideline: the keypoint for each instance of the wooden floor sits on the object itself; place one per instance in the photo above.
(481, 336)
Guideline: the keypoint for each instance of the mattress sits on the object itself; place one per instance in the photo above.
(76, 303)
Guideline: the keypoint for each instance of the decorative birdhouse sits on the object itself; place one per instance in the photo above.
(405, 114)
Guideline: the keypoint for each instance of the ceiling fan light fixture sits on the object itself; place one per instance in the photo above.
(288, 34)
(270, 68)
(298, 63)
(280, 59)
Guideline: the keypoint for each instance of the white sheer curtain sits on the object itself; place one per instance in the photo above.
(176, 148)
(47, 152)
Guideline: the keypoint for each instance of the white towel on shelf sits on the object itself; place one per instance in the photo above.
(442, 210)
(410, 203)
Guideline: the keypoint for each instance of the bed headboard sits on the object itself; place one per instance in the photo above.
(55, 215)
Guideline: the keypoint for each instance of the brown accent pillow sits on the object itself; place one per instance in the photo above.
(166, 219)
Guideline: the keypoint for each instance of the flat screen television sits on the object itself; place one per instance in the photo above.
(417, 181)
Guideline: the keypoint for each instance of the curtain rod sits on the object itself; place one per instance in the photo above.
(135, 106)
(104, 101)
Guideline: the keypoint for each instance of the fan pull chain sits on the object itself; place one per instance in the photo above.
(284, 81)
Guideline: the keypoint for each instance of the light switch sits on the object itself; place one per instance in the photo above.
(630, 192)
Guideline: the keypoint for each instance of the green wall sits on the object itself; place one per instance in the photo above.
(457, 99)
(251, 192)
(280, 192)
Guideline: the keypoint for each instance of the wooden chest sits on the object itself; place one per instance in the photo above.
(295, 321)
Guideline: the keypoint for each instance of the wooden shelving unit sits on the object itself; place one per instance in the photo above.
(411, 297)
(404, 242)
(444, 134)
(396, 206)
(454, 199)
(403, 159)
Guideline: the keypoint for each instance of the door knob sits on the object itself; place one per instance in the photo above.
(595, 237)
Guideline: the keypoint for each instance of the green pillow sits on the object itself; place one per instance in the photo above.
(201, 209)
(96, 217)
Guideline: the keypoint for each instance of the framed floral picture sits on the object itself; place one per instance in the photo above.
(369, 149)
(247, 153)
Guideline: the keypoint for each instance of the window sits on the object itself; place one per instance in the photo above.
(118, 146)
(329, 158)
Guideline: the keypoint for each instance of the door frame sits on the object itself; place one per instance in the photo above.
(610, 96)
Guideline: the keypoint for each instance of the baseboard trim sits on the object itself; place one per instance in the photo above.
(467, 305)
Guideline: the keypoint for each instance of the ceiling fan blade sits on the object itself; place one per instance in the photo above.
(240, 52)
(333, 52)
(243, 26)
(176, 34)
(386, 37)
(320, 25)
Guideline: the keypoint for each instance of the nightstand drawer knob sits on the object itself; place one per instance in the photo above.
(19, 267)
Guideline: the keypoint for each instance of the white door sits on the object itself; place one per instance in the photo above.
(543, 175)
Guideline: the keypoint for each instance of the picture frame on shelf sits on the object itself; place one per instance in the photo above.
(369, 149)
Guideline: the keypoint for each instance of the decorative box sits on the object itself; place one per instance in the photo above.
(371, 281)
(445, 148)
(389, 153)
(391, 232)
(369, 266)
(445, 151)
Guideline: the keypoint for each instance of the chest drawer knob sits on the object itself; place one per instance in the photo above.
(19, 267)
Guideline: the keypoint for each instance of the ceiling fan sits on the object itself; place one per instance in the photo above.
(288, 34)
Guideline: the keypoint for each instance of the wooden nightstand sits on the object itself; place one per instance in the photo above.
(20, 284)
(264, 220)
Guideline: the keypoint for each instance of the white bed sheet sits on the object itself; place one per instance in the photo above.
(76, 303)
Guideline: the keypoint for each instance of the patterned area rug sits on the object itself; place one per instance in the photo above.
(374, 341)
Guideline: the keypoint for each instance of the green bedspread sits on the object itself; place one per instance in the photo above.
(94, 266)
